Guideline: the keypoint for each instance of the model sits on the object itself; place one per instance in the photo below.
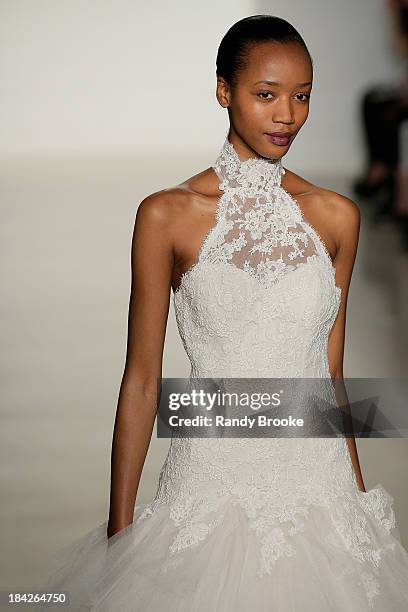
(260, 261)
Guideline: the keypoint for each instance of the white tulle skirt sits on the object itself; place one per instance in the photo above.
(133, 571)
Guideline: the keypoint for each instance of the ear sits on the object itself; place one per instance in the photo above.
(223, 92)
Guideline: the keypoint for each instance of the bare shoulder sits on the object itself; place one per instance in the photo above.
(161, 205)
(335, 202)
(345, 210)
(342, 215)
(338, 214)
(176, 209)
(159, 213)
(158, 207)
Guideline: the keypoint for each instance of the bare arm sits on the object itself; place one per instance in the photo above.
(151, 263)
(346, 219)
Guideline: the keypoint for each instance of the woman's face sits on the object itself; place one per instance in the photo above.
(271, 97)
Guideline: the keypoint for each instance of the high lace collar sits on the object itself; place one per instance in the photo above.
(255, 174)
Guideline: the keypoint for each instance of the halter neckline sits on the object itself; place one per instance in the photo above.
(257, 173)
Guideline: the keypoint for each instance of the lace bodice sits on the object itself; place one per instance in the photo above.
(261, 298)
(259, 226)
(260, 301)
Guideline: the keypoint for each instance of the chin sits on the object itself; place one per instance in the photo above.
(276, 152)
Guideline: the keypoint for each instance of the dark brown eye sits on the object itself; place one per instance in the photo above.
(307, 95)
(262, 93)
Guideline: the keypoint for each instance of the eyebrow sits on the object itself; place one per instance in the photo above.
(277, 83)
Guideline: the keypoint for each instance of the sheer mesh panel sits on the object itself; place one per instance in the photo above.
(260, 227)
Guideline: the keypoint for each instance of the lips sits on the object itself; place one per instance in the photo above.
(280, 134)
(279, 138)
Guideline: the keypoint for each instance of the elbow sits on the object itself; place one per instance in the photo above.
(141, 383)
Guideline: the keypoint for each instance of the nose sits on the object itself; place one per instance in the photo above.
(283, 111)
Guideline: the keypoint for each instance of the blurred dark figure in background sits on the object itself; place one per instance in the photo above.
(384, 108)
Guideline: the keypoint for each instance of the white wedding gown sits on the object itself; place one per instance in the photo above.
(242, 524)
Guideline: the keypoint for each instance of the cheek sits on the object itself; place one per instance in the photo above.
(302, 115)
(249, 111)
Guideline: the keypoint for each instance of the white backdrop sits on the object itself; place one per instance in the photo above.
(129, 81)
(126, 77)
